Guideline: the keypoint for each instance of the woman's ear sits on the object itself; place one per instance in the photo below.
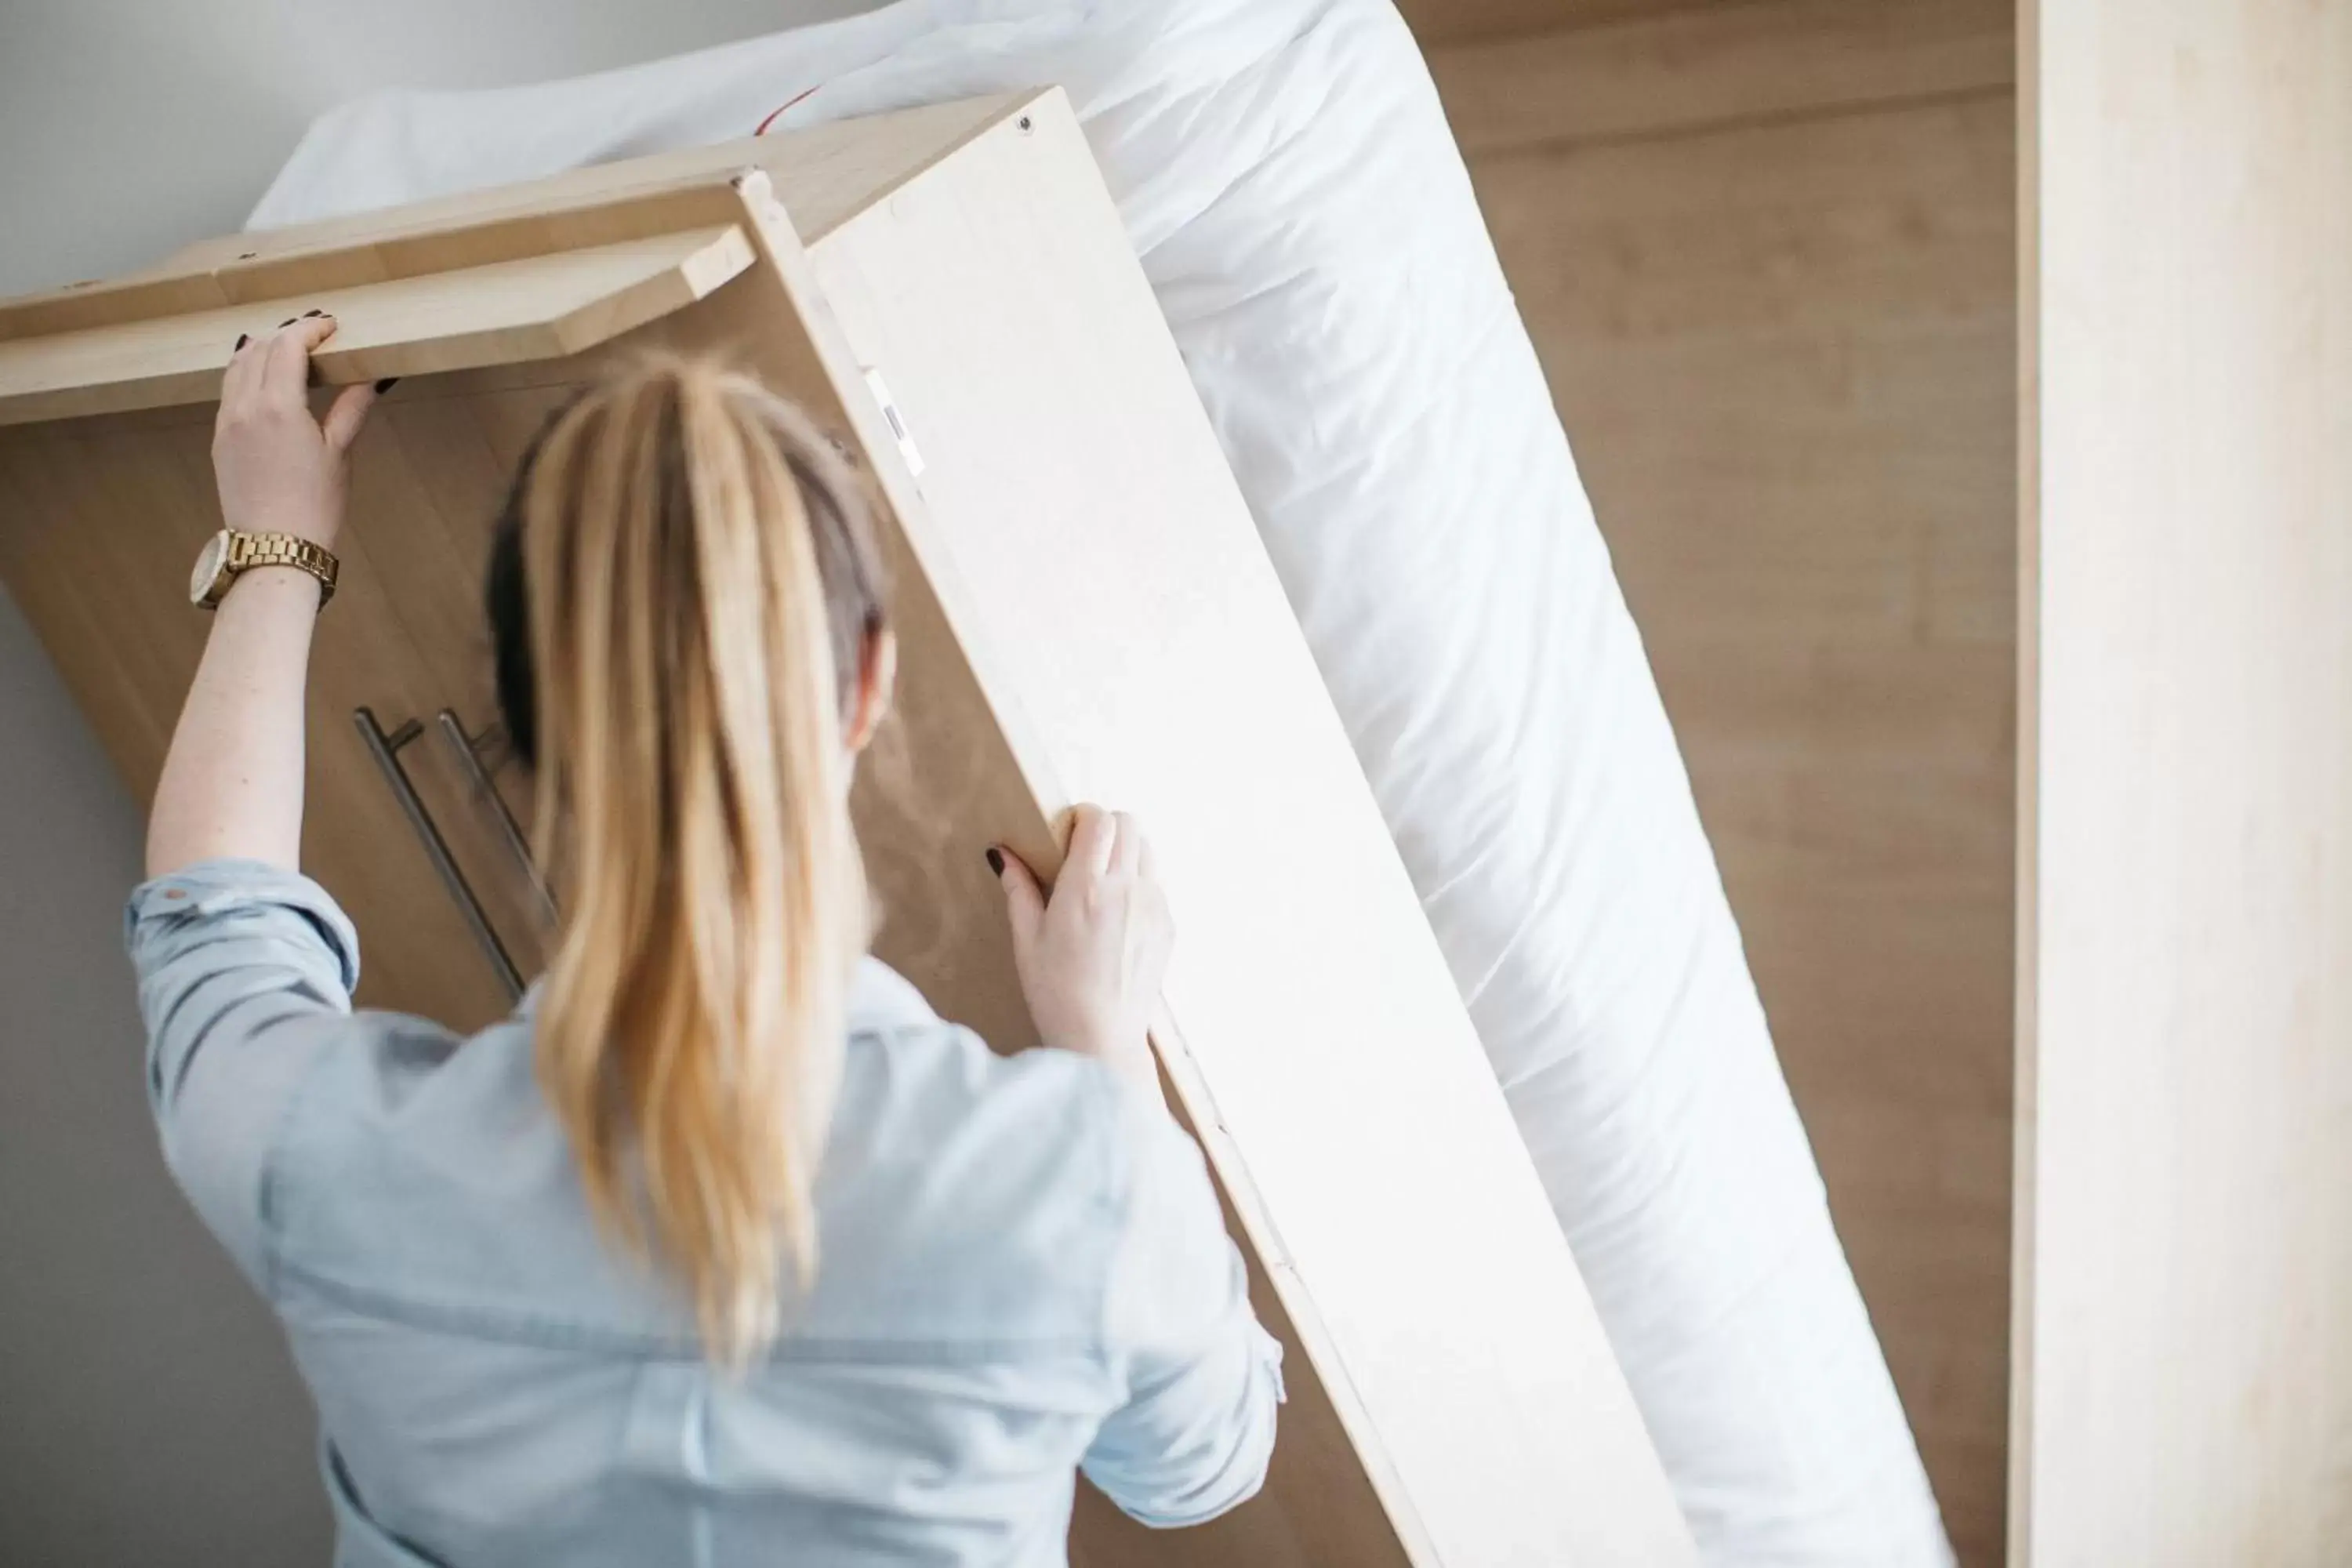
(876, 677)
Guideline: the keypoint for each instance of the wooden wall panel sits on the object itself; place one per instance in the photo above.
(1783, 344)
(2185, 1258)
(1722, 65)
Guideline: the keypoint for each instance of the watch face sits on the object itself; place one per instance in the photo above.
(209, 561)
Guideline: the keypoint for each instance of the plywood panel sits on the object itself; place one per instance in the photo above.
(1784, 352)
(531, 307)
(2184, 1374)
(825, 173)
(1079, 528)
(99, 522)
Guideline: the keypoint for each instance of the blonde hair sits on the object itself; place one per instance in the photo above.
(695, 569)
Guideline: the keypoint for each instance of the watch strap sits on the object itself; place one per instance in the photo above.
(247, 551)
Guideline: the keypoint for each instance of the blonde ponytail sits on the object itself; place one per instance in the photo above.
(702, 595)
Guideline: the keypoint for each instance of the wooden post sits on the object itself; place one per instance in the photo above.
(2183, 1334)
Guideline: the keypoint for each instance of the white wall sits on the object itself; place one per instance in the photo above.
(147, 1413)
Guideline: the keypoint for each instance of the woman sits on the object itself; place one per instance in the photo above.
(724, 1248)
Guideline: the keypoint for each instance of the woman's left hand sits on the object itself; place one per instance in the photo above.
(280, 470)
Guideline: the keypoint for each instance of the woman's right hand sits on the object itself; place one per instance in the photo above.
(279, 470)
(1092, 957)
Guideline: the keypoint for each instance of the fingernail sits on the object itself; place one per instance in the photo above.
(996, 860)
(387, 384)
(307, 314)
(287, 323)
(243, 339)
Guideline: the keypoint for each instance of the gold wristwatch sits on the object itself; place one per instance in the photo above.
(229, 552)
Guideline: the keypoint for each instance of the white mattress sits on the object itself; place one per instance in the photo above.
(1298, 204)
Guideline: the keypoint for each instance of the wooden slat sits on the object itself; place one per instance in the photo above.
(540, 307)
(1085, 540)
(1721, 64)
(823, 174)
(2184, 1366)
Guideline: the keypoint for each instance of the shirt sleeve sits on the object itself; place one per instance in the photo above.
(1202, 1379)
(245, 976)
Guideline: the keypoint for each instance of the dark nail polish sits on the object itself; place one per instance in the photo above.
(996, 860)
(243, 339)
(387, 384)
(287, 323)
(307, 314)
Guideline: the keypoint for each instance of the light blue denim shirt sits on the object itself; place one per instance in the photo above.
(1023, 1271)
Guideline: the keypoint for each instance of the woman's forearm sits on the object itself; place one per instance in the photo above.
(232, 784)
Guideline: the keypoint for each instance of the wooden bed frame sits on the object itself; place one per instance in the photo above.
(1966, 392)
(1084, 611)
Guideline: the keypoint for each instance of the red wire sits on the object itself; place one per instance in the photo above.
(780, 108)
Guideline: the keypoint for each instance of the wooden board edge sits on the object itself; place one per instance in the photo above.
(1007, 106)
(698, 274)
(784, 252)
(502, 222)
(715, 255)
(2026, 942)
(1198, 1106)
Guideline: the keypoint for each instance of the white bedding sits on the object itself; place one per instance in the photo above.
(1299, 207)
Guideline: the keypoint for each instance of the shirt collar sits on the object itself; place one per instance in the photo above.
(880, 999)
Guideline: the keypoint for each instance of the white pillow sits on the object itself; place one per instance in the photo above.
(1287, 177)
